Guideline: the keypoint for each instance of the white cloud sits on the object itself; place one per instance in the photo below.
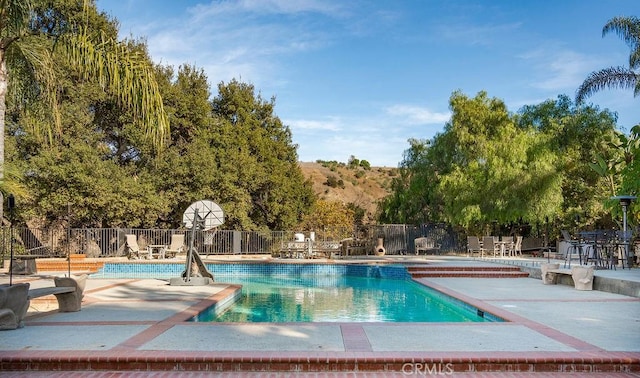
(476, 34)
(233, 39)
(559, 69)
(265, 7)
(415, 115)
(331, 124)
(376, 138)
(377, 150)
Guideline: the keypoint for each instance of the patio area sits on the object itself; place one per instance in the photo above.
(139, 325)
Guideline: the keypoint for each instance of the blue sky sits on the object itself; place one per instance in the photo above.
(362, 77)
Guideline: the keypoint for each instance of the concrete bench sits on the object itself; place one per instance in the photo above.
(60, 293)
(14, 299)
(24, 265)
(582, 275)
(14, 304)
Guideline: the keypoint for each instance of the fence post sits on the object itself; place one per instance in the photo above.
(68, 239)
(11, 205)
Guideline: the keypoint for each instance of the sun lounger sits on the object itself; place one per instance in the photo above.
(176, 246)
(133, 250)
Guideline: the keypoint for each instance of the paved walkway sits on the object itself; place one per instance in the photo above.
(130, 322)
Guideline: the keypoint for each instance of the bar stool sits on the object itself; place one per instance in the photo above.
(590, 254)
(622, 250)
(608, 256)
(575, 248)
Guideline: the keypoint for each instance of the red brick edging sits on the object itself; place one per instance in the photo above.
(324, 362)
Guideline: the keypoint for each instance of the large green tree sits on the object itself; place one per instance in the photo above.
(578, 135)
(498, 171)
(257, 173)
(628, 28)
(490, 166)
(34, 32)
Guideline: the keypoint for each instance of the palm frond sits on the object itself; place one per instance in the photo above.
(634, 59)
(33, 78)
(627, 28)
(612, 77)
(124, 73)
(12, 181)
(15, 16)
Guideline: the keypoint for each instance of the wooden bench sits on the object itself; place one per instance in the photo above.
(325, 249)
(427, 245)
(296, 249)
(350, 247)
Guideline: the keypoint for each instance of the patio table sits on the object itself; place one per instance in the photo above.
(156, 250)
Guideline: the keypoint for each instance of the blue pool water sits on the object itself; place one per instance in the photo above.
(292, 292)
(338, 299)
(169, 270)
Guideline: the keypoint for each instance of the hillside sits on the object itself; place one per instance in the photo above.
(361, 187)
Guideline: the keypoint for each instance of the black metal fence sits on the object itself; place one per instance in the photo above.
(111, 242)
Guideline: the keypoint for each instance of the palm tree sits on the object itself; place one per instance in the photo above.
(27, 69)
(628, 28)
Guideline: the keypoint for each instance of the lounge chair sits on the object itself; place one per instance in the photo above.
(133, 250)
(489, 245)
(176, 246)
(473, 246)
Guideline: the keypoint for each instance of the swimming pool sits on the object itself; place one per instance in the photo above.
(167, 270)
(337, 299)
(347, 292)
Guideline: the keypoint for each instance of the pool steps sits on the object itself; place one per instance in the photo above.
(425, 271)
(79, 262)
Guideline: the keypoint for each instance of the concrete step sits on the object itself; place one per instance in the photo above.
(467, 272)
(421, 268)
(62, 265)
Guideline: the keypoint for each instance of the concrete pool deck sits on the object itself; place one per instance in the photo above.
(140, 325)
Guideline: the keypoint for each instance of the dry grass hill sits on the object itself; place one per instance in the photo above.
(336, 182)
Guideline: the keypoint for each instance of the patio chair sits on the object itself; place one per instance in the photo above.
(473, 246)
(133, 250)
(489, 245)
(508, 245)
(517, 247)
(176, 246)
(574, 251)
